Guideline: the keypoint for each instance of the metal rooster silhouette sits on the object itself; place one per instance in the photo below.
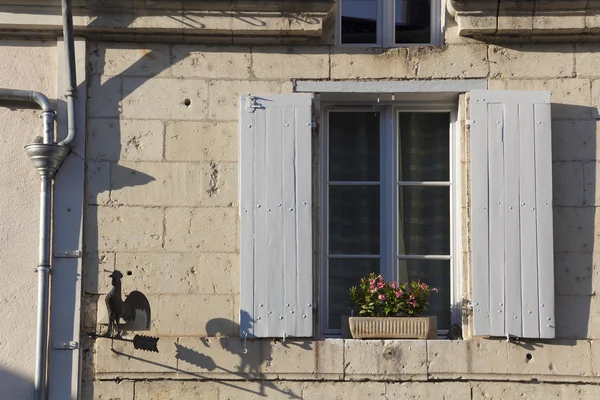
(135, 308)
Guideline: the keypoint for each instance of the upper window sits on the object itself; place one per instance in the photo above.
(388, 23)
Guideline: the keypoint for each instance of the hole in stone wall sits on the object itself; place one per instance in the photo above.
(528, 356)
(129, 273)
(187, 102)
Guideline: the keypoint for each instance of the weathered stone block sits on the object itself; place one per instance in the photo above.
(556, 360)
(135, 140)
(591, 174)
(125, 360)
(174, 184)
(180, 390)
(123, 228)
(567, 183)
(95, 278)
(180, 273)
(343, 390)
(378, 359)
(576, 274)
(129, 59)
(513, 390)
(201, 141)
(160, 98)
(211, 62)
(290, 62)
(429, 391)
(571, 98)
(569, 22)
(294, 359)
(330, 358)
(468, 61)
(460, 358)
(201, 229)
(97, 188)
(221, 358)
(104, 96)
(223, 105)
(147, 19)
(253, 390)
(577, 317)
(370, 64)
(109, 390)
(574, 141)
(586, 59)
(178, 315)
(574, 229)
(552, 61)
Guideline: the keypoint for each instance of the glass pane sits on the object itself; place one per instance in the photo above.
(413, 21)
(423, 220)
(424, 147)
(436, 274)
(353, 219)
(343, 274)
(359, 21)
(354, 146)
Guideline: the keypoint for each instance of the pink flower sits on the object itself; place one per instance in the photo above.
(412, 296)
(373, 289)
(381, 297)
(394, 285)
(414, 303)
(380, 285)
(435, 289)
(371, 282)
(399, 293)
(423, 286)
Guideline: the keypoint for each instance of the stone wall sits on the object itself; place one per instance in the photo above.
(162, 208)
(19, 211)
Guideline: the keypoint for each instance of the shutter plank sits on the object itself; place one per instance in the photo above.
(512, 253)
(529, 271)
(304, 251)
(479, 216)
(497, 233)
(275, 167)
(247, 133)
(543, 169)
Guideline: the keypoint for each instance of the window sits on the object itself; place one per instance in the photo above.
(388, 201)
(388, 23)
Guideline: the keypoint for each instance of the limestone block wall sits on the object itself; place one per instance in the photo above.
(19, 211)
(161, 206)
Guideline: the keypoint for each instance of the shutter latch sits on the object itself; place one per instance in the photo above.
(252, 104)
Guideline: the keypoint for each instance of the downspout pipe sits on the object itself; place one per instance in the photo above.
(67, 14)
(47, 158)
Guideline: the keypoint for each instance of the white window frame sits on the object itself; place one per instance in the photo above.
(386, 14)
(388, 148)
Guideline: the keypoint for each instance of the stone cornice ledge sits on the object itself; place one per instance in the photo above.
(570, 20)
(215, 21)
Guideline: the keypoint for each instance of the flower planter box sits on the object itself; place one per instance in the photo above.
(393, 327)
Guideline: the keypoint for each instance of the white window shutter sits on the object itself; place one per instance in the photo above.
(512, 260)
(275, 216)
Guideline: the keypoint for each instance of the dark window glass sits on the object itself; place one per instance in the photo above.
(424, 147)
(354, 219)
(435, 273)
(359, 21)
(413, 21)
(354, 146)
(343, 274)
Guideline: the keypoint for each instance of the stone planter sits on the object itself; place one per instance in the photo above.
(393, 327)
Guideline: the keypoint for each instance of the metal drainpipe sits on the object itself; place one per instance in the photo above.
(67, 15)
(47, 158)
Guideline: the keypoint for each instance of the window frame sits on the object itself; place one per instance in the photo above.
(386, 14)
(388, 147)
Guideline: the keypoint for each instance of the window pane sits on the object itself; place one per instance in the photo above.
(413, 21)
(359, 21)
(343, 274)
(423, 220)
(353, 219)
(354, 146)
(435, 273)
(424, 147)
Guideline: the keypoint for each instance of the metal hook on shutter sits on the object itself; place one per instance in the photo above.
(245, 338)
(284, 336)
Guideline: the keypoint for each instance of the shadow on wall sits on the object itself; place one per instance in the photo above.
(14, 386)
(574, 149)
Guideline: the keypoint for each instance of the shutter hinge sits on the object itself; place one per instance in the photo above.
(72, 345)
(252, 104)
